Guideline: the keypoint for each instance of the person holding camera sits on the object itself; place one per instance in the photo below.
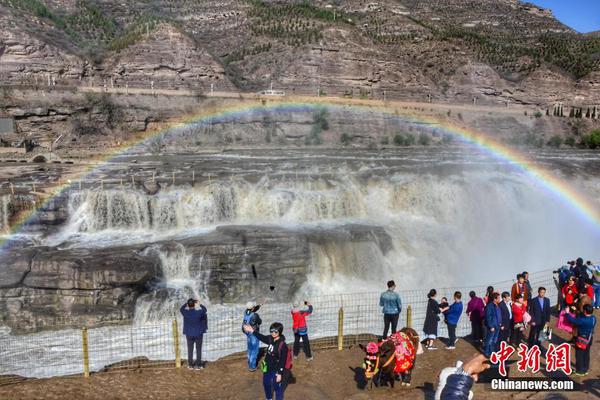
(301, 330)
(195, 325)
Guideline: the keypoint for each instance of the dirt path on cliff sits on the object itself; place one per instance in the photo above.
(332, 375)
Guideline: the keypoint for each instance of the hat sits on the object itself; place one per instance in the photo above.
(249, 305)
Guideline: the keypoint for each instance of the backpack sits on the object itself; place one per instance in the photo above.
(247, 319)
(289, 358)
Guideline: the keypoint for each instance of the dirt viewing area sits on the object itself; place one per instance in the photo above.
(332, 375)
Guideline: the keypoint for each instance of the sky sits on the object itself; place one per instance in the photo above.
(581, 15)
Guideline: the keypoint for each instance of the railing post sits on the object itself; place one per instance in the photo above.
(176, 345)
(86, 354)
(341, 328)
(409, 317)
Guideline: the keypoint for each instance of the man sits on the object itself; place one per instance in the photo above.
(506, 323)
(392, 306)
(539, 309)
(252, 318)
(529, 290)
(519, 287)
(492, 323)
(594, 271)
(453, 314)
(475, 311)
(194, 326)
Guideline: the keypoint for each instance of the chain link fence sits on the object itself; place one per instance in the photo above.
(60, 352)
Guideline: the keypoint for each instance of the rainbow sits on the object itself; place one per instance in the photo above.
(560, 189)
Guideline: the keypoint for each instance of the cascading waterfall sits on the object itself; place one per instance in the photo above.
(178, 283)
(5, 213)
(462, 225)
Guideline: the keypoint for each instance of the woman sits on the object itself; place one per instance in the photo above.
(518, 309)
(432, 318)
(475, 308)
(489, 295)
(585, 324)
(273, 365)
(570, 293)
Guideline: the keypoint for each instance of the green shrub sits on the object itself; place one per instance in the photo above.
(555, 141)
(592, 140)
(400, 140)
(424, 139)
(570, 141)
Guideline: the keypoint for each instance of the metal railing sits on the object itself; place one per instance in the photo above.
(339, 320)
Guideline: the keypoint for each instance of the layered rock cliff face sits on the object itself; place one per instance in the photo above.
(50, 287)
(411, 49)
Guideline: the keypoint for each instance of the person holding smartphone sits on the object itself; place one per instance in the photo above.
(194, 326)
(301, 330)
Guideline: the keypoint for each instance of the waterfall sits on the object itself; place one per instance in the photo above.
(5, 213)
(461, 224)
(182, 278)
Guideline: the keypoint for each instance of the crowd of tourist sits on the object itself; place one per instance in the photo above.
(514, 317)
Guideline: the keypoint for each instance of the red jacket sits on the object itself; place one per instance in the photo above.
(570, 294)
(299, 319)
(518, 312)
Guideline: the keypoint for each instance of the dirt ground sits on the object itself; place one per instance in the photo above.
(332, 375)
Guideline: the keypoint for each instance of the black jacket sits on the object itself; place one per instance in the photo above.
(431, 317)
(539, 316)
(506, 316)
(457, 387)
(276, 352)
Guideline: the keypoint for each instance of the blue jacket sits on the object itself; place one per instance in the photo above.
(391, 303)
(585, 325)
(453, 313)
(457, 387)
(194, 321)
(491, 316)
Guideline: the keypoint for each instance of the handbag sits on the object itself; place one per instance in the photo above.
(563, 323)
(526, 318)
(582, 342)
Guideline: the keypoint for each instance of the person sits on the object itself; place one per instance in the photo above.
(539, 309)
(431, 320)
(195, 325)
(492, 323)
(273, 365)
(301, 330)
(452, 314)
(444, 303)
(459, 383)
(475, 311)
(252, 318)
(585, 324)
(527, 297)
(586, 296)
(506, 322)
(392, 307)
(489, 295)
(519, 287)
(570, 293)
(594, 271)
(518, 310)
(580, 270)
